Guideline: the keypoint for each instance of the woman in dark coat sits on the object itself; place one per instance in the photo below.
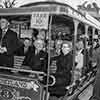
(64, 64)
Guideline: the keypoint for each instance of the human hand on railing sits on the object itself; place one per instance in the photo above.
(3, 50)
(82, 80)
(70, 89)
(32, 75)
(40, 77)
(70, 86)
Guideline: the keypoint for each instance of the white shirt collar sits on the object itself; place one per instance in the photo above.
(80, 51)
(5, 30)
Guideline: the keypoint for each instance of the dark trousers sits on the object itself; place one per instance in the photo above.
(62, 80)
(6, 60)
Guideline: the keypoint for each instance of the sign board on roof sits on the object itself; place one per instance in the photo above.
(39, 20)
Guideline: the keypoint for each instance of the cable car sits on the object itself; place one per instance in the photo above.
(61, 24)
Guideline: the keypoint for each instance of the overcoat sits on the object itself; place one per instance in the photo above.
(12, 43)
(64, 65)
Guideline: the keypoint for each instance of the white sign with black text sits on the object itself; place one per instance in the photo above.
(39, 20)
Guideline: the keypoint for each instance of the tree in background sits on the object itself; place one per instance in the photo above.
(8, 3)
(89, 6)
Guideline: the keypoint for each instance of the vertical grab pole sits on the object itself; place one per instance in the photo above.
(86, 31)
(76, 22)
(19, 29)
(48, 69)
(85, 41)
(93, 33)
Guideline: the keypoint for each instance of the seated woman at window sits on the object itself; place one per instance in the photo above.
(64, 63)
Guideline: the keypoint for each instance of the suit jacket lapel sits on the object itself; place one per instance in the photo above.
(0, 34)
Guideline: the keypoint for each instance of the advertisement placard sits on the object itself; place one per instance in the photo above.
(39, 20)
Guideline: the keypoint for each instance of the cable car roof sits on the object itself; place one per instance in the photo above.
(52, 8)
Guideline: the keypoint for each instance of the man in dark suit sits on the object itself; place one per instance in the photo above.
(9, 43)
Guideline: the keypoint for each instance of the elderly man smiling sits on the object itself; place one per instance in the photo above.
(8, 43)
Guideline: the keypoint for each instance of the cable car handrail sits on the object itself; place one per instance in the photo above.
(30, 71)
(79, 90)
(22, 70)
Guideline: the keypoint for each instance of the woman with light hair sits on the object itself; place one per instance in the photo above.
(38, 59)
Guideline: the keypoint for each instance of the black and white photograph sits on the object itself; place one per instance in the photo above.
(49, 49)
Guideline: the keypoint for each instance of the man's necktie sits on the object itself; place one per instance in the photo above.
(3, 34)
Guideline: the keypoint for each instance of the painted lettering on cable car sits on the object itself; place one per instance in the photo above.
(20, 84)
(64, 10)
(9, 94)
(45, 8)
(6, 94)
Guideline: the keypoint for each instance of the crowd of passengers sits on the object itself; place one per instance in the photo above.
(35, 52)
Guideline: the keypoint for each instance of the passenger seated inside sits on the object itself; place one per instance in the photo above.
(26, 48)
(23, 52)
(79, 57)
(37, 60)
(93, 49)
(41, 34)
(64, 63)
